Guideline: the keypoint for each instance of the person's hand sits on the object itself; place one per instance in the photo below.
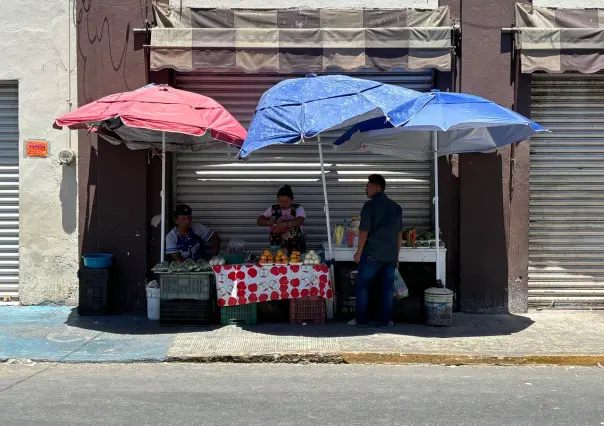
(357, 256)
(278, 227)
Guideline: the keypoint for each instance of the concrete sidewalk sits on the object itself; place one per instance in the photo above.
(58, 334)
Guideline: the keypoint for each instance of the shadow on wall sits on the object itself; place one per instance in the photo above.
(448, 174)
(69, 198)
(483, 243)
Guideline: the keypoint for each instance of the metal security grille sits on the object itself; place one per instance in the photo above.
(9, 191)
(566, 231)
(229, 195)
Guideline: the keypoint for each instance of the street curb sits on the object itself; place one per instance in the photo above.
(397, 359)
(312, 358)
(484, 360)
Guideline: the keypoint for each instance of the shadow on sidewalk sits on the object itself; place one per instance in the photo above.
(463, 326)
(126, 324)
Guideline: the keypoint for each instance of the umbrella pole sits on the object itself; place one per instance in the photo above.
(436, 205)
(329, 244)
(163, 197)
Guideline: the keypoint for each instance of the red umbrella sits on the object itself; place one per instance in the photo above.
(141, 119)
(158, 116)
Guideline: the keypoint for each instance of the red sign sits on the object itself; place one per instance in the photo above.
(36, 148)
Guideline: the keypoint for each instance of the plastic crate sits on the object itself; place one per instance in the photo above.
(93, 291)
(409, 310)
(345, 277)
(241, 314)
(346, 307)
(186, 286)
(307, 310)
(186, 313)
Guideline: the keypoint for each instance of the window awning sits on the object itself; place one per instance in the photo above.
(560, 40)
(310, 40)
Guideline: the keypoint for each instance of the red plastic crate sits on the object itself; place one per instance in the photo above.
(307, 310)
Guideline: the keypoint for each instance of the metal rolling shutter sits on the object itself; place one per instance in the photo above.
(9, 191)
(566, 231)
(229, 195)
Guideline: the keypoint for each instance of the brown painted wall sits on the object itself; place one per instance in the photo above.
(112, 180)
(493, 237)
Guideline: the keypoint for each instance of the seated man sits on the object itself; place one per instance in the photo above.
(187, 239)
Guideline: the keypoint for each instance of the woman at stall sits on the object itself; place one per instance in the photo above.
(285, 220)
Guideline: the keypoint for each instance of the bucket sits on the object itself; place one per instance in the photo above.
(153, 304)
(439, 306)
(98, 260)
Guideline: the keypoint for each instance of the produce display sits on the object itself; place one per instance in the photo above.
(280, 258)
(217, 261)
(161, 267)
(413, 239)
(187, 266)
(312, 258)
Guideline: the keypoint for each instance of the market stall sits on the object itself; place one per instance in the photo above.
(238, 282)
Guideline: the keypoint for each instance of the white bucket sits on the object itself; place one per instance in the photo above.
(439, 306)
(153, 304)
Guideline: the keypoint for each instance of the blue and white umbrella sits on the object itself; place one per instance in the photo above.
(450, 123)
(303, 108)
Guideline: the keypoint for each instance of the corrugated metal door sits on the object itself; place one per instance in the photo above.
(9, 191)
(566, 248)
(230, 195)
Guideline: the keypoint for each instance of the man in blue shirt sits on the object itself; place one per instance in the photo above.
(380, 241)
(187, 239)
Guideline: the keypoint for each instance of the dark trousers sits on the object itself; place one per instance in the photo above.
(369, 268)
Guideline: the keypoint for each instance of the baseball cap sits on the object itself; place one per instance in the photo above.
(183, 210)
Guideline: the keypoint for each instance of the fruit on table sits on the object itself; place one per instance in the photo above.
(312, 258)
(295, 257)
(217, 260)
(266, 258)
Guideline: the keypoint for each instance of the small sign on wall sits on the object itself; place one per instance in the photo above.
(36, 148)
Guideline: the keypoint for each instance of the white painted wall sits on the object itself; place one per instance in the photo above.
(335, 4)
(37, 47)
(570, 4)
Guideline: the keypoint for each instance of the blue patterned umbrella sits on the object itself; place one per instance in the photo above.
(302, 108)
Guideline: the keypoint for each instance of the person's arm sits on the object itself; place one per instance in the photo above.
(366, 218)
(266, 219)
(172, 248)
(362, 241)
(208, 235)
(215, 244)
(263, 221)
(399, 237)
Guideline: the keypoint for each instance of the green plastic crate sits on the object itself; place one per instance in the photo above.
(195, 286)
(241, 314)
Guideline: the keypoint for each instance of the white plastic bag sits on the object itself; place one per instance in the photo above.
(400, 288)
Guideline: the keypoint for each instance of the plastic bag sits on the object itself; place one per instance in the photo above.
(153, 284)
(400, 288)
(236, 246)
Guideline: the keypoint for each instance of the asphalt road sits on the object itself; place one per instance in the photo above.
(239, 394)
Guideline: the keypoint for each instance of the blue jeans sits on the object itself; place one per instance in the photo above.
(369, 268)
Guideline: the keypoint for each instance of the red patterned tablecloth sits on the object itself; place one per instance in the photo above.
(243, 284)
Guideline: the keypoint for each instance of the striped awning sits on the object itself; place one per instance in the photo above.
(289, 40)
(560, 40)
